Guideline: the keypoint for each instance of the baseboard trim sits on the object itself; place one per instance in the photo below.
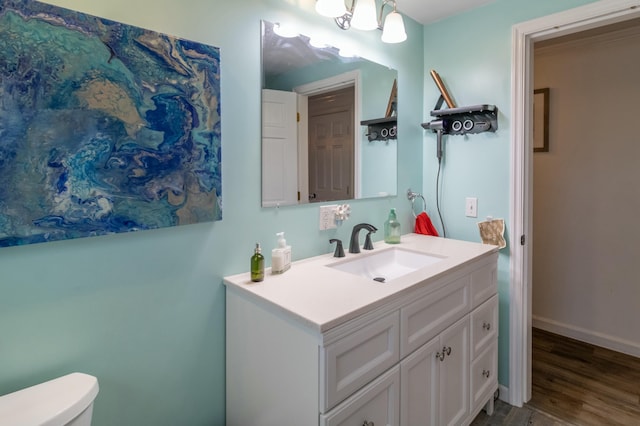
(588, 336)
(503, 394)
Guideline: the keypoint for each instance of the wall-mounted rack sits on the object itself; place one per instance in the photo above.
(463, 120)
(381, 129)
(460, 121)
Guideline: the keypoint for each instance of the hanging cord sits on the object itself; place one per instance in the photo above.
(444, 231)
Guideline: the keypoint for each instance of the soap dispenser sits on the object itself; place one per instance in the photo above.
(281, 255)
(392, 229)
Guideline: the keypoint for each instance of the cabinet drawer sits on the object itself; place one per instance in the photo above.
(484, 282)
(423, 319)
(484, 325)
(484, 377)
(351, 362)
(377, 403)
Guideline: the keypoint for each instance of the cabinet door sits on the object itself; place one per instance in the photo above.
(454, 373)
(419, 380)
(376, 404)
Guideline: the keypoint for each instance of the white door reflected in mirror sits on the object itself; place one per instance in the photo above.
(279, 148)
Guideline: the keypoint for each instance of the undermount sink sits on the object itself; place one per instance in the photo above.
(386, 265)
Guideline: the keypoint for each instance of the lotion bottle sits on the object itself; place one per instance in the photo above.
(280, 256)
(257, 265)
(392, 229)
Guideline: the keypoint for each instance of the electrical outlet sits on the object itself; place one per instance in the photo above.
(328, 217)
(471, 207)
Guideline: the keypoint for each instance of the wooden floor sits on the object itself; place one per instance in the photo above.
(504, 414)
(574, 383)
(584, 384)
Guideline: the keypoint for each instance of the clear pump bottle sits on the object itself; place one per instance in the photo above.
(280, 256)
(392, 229)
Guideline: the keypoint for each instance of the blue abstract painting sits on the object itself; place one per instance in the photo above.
(104, 127)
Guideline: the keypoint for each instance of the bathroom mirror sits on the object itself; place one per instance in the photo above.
(314, 148)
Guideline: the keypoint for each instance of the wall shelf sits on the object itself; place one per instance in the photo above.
(464, 120)
(381, 129)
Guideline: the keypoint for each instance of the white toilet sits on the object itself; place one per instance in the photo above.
(65, 401)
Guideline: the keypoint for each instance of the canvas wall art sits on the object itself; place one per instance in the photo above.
(104, 127)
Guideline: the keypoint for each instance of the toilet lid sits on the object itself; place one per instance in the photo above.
(54, 402)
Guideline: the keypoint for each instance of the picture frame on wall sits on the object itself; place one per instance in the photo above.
(541, 120)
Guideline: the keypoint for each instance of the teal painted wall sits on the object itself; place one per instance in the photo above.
(472, 54)
(144, 312)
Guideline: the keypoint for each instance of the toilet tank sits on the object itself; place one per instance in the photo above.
(67, 401)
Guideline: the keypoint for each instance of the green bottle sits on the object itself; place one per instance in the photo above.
(392, 229)
(257, 265)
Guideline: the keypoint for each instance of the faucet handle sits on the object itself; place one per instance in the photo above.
(367, 241)
(339, 252)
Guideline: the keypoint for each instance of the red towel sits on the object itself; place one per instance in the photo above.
(424, 225)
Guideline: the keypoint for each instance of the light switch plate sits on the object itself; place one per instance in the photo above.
(471, 207)
(328, 217)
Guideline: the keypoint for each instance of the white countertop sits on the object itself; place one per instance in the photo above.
(323, 297)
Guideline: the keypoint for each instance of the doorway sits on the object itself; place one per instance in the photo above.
(524, 35)
(352, 80)
(331, 145)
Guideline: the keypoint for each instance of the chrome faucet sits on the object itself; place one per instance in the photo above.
(354, 243)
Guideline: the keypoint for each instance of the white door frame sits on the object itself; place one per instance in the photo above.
(597, 14)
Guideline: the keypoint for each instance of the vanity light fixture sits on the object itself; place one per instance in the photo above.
(330, 8)
(393, 30)
(362, 15)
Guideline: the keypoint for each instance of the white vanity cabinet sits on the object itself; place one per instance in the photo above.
(424, 356)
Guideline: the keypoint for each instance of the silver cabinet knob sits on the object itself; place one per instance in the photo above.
(486, 326)
(366, 423)
(446, 351)
(486, 373)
